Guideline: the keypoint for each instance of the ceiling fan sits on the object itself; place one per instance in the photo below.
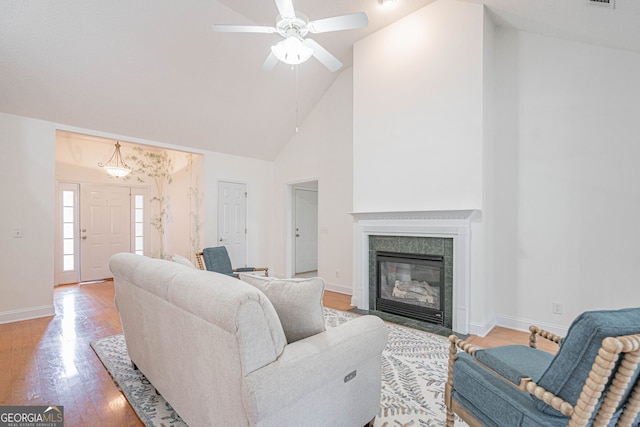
(294, 27)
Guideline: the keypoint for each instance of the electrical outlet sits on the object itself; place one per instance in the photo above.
(556, 308)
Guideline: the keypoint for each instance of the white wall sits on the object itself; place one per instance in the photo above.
(27, 187)
(321, 151)
(418, 111)
(566, 178)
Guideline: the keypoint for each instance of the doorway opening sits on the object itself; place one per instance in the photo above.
(157, 210)
(304, 229)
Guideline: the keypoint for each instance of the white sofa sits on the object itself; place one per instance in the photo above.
(214, 348)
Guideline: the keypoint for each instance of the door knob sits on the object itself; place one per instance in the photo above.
(221, 239)
(84, 230)
(297, 235)
(84, 237)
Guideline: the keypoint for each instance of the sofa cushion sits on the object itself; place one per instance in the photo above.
(493, 401)
(298, 303)
(515, 362)
(182, 260)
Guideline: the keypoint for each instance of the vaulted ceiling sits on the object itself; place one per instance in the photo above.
(153, 69)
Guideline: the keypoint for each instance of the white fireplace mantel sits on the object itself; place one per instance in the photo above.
(454, 224)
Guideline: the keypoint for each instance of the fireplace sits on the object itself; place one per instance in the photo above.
(445, 233)
(411, 285)
(422, 267)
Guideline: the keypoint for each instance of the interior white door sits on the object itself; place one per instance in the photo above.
(232, 221)
(105, 228)
(306, 230)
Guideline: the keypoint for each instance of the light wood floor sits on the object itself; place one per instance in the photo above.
(48, 361)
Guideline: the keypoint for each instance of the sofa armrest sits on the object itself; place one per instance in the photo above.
(309, 364)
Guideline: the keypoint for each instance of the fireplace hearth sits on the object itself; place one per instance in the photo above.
(411, 285)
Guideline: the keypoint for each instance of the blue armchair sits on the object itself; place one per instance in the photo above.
(591, 381)
(217, 259)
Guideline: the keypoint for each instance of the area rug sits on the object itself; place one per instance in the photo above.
(414, 371)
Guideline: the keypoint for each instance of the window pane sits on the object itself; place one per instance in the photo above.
(140, 252)
(67, 231)
(139, 215)
(139, 229)
(139, 201)
(139, 244)
(68, 263)
(67, 198)
(67, 246)
(67, 214)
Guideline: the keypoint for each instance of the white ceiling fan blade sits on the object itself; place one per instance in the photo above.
(285, 8)
(337, 23)
(269, 63)
(323, 55)
(242, 29)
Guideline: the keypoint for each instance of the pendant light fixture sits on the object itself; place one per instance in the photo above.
(116, 165)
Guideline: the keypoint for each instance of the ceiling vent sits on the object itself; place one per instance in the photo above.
(602, 3)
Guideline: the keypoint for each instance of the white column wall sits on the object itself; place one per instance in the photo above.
(418, 112)
(420, 115)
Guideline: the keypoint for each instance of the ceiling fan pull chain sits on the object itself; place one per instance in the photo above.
(296, 98)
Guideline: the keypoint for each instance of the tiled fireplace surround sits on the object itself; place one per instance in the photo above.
(446, 233)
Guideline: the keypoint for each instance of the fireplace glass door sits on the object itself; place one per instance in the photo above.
(411, 285)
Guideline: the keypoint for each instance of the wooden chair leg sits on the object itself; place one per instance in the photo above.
(450, 418)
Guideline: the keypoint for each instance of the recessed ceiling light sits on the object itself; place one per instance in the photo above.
(387, 4)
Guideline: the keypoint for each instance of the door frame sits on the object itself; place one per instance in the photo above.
(134, 189)
(291, 221)
(246, 216)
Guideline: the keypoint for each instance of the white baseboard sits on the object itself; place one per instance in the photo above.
(482, 329)
(341, 289)
(523, 325)
(27, 314)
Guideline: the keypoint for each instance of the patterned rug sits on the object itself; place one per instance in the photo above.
(414, 371)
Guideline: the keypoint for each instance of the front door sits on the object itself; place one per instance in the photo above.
(232, 221)
(306, 230)
(105, 228)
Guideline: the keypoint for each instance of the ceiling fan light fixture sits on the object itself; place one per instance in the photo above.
(292, 51)
(387, 4)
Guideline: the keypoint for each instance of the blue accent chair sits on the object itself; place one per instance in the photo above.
(217, 259)
(591, 381)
